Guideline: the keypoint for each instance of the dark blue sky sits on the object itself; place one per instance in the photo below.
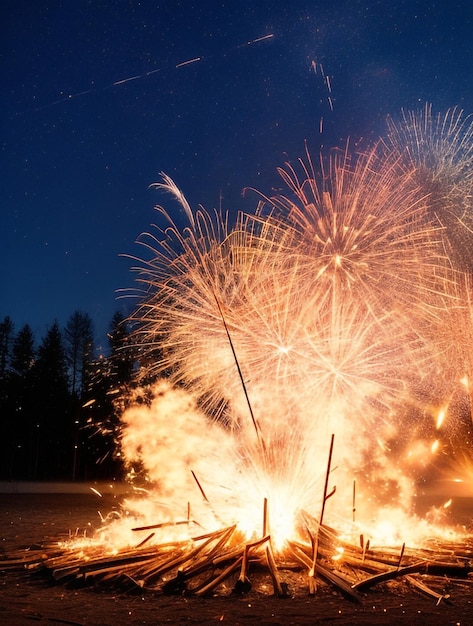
(78, 151)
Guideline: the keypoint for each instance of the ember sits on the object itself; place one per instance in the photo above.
(315, 363)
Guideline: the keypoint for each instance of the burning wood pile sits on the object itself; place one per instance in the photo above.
(222, 562)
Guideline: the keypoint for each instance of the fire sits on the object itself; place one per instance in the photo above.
(328, 312)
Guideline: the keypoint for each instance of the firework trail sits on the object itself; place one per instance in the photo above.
(334, 302)
(439, 149)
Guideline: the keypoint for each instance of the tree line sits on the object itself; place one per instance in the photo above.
(58, 400)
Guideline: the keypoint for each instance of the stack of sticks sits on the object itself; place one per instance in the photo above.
(223, 559)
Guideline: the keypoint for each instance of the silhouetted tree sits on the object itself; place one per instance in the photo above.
(52, 455)
(109, 390)
(18, 409)
(78, 344)
(122, 353)
(6, 342)
(23, 352)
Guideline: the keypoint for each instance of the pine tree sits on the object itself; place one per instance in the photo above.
(6, 343)
(53, 455)
(19, 409)
(109, 389)
(122, 358)
(23, 352)
(78, 343)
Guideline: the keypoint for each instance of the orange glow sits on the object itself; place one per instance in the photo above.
(441, 416)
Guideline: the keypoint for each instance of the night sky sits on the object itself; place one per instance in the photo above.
(98, 97)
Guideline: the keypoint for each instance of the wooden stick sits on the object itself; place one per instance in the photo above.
(326, 497)
(273, 570)
(390, 575)
(142, 543)
(353, 510)
(161, 525)
(265, 517)
(240, 374)
(401, 555)
(312, 580)
(341, 583)
(199, 486)
(427, 590)
(216, 581)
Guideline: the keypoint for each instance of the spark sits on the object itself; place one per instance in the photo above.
(135, 77)
(263, 38)
(125, 80)
(194, 60)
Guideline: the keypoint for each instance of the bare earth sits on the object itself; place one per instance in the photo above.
(32, 599)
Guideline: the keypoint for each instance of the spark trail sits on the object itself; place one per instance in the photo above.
(128, 79)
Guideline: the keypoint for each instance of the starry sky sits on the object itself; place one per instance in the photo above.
(98, 97)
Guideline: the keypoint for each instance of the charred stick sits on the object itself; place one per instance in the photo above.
(327, 475)
(199, 486)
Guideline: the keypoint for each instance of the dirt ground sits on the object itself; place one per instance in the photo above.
(32, 599)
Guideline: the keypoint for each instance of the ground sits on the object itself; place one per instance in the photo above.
(28, 599)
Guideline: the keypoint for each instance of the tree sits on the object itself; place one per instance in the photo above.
(78, 343)
(52, 454)
(6, 341)
(18, 409)
(23, 352)
(122, 357)
(108, 393)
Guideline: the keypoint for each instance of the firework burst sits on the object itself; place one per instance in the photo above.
(325, 312)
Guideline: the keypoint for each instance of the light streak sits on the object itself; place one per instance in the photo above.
(125, 80)
(194, 60)
(135, 77)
